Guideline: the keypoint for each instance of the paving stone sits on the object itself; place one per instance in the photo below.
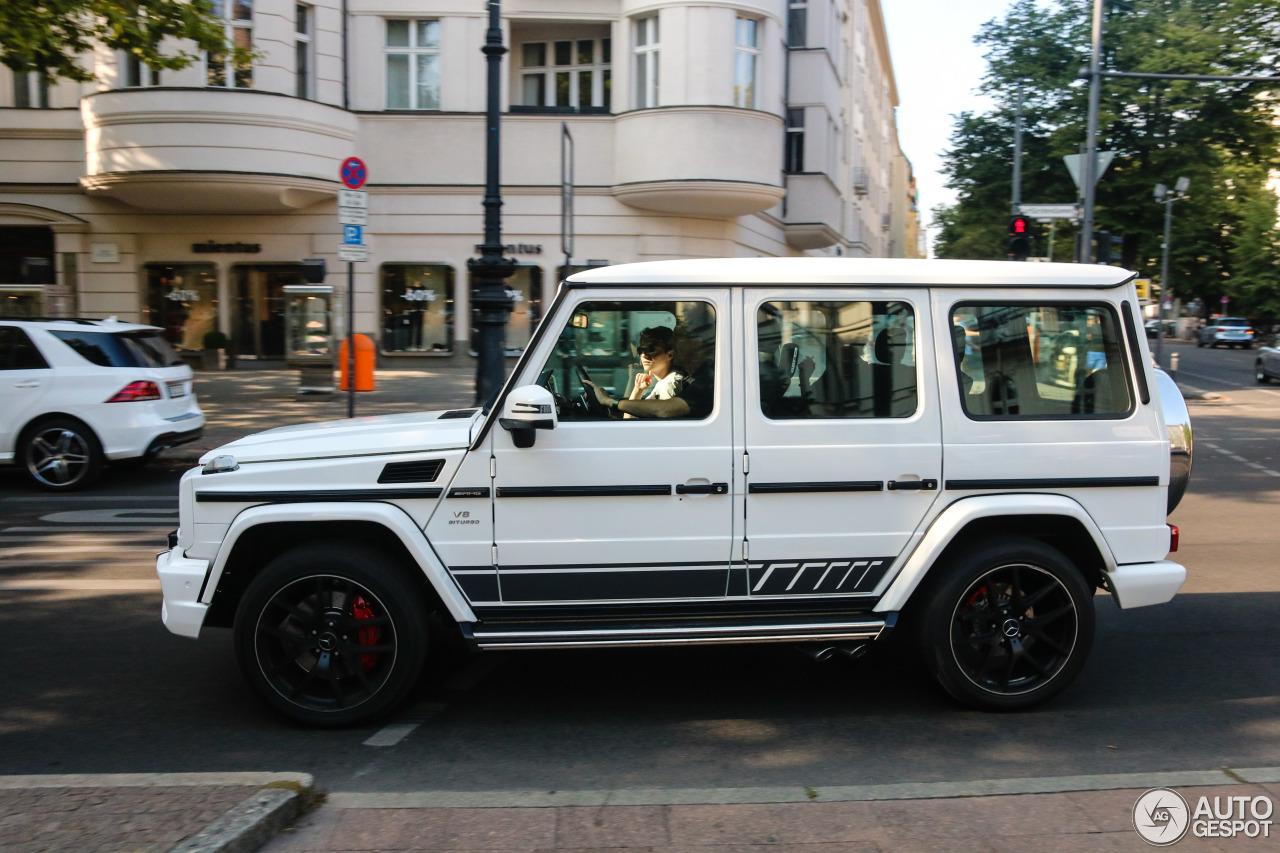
(779, 823)
(983, 817)
(612, 826)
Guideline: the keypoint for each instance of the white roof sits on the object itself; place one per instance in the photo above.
(890, 272)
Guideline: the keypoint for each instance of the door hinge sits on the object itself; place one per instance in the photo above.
(746, 464)
(745, 550)
(493, 467)
(493, 555)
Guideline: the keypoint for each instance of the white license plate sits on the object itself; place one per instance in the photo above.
(178, 389)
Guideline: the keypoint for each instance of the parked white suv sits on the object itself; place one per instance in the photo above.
(1228, 331)
(820, 450)
(80, 393)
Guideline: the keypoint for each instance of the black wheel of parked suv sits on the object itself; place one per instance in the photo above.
(331, 633)
(1009, 625)
(60, 454)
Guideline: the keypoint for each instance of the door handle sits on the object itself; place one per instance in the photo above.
(702, 489)
(32, 383)
(913, 485)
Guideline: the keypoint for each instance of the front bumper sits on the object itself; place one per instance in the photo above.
(1144, 584)
(181, 579)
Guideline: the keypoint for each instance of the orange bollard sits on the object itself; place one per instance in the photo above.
(364, 363)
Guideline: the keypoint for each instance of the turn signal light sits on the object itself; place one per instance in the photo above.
(136, 392)
(1173, 537)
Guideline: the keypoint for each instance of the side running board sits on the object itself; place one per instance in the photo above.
(525, 637)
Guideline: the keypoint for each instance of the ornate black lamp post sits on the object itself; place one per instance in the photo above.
(489, 297)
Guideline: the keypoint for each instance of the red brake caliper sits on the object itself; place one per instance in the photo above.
(366, 636)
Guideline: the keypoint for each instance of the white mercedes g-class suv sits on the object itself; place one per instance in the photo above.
(719, 451)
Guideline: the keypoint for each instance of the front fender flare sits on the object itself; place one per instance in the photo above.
(957, 515)
(387, 515)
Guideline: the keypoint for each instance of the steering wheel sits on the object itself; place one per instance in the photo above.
(587, 399)
(548, 381)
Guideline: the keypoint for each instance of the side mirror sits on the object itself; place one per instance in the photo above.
(528, 408)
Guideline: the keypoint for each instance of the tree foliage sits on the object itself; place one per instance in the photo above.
(49, 36)
(1222, 136)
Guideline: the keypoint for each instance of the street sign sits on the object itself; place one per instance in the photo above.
(353, 253)
(353, 173)
(1075, 163)
(1050, 211)
(352, 235)
(1225, 300)
(1144, 288)
(353, 198)
(353, 216)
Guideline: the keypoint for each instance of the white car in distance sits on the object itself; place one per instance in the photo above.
(81, 393)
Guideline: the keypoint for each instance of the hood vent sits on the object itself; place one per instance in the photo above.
(458, 413)
(423, 471)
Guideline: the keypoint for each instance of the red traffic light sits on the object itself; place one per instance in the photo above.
(1017, 225)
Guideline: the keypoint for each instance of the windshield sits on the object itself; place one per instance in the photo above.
(1233, 321)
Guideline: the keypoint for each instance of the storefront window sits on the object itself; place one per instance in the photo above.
(525, 287)
(182, 299)
(417, 308)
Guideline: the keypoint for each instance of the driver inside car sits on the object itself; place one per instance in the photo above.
(657, 389)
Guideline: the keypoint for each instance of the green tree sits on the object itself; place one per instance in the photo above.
(1159, 129)
(49, 36)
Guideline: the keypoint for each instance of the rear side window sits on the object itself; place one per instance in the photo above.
(1040, 361)
(120, 349)
(17, 352)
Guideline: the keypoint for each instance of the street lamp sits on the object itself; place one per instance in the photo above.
(1163, 196)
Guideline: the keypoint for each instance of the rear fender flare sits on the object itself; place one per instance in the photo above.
(389, 516)
(955, 517)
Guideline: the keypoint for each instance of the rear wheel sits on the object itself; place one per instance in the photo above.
(331, 633)
(60, 454)
(1260, 373)
(1009, 625)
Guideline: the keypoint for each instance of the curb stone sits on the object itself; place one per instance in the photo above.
(248, 826)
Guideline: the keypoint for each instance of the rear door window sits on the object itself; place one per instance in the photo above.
(1040, 361)
(120, 349)
(17, 352)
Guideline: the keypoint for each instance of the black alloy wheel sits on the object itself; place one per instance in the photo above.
(1010, 626)
(331, 633)
(1260, 373)
(60, 454)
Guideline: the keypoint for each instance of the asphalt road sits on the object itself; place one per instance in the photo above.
(93, 682)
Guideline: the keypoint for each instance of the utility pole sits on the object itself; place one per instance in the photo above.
(1089, 174)
(490, 271)
(1017, 157)
(1167, 198)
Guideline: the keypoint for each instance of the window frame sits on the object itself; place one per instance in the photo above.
(798, 23)
(225, 12)
(600, 70)
(414, 52)
(746, 93)
(30, 91)
(136, 74)
(647, 55)
(1120, 339)
(793, 142)
(304, 48)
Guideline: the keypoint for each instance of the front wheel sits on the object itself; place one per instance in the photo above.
(1009, 625)
(331, 633)
(1260, 374)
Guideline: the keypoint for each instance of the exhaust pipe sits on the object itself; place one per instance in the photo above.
(823, 653)
(818, 652)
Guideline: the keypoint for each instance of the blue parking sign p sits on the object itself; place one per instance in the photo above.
(352, 235)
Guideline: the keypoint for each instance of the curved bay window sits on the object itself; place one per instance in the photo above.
(525, 287)
(182, 299)
(417, 309)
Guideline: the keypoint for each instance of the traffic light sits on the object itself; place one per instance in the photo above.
(1019, 245)
(1107, 247)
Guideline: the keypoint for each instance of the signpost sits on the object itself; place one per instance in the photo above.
(1050, 211)
(353, 215)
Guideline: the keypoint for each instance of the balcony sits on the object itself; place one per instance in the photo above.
(698, 161)
(213, 150)
(815, 211)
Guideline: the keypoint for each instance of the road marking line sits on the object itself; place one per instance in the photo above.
(79, 584)
(838, 793)
(395, 732)
(1227, 453)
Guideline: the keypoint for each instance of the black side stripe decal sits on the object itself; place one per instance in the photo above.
(850, 486)
(1059, 483)
(580, 491)
(317, 495)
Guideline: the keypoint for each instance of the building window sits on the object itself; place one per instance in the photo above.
(795, 140)
(30, 91)
(413, 65)
(797, 23)
(525, 288)
(746, 62)
(417, 308)
(304, 51)
(182, 299)
(645, 70)
(134, 73)
(220, 68)
(572, 74)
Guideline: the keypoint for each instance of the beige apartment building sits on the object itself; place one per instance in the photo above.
(189, 199)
